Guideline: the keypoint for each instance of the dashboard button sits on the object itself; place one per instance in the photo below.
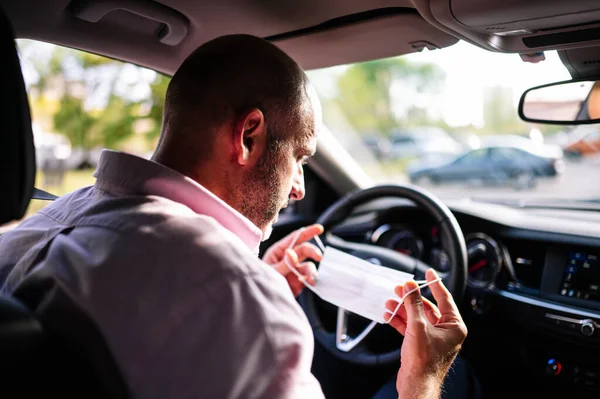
(587, 328)
(553, 367)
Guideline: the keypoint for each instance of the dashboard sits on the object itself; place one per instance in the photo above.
(533, 274)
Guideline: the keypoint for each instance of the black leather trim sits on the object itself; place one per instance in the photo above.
(17, 151)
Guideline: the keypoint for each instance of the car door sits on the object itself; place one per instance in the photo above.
(507, 162)
(471, 166)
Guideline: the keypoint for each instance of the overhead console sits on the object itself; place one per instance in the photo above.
(521, 26)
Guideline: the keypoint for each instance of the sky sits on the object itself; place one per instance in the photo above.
(469, 70)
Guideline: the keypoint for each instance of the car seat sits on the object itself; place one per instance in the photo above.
(43, 350)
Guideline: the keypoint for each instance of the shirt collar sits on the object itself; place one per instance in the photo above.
(119, 172)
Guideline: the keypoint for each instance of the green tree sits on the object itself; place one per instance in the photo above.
(74, 122)
(75, 77)
(364, 90)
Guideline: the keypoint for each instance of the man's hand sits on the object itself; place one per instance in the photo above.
(276, 256)
(432, 338)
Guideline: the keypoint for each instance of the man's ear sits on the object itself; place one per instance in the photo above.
(249, 137)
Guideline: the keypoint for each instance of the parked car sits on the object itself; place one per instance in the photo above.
(378, 145)
(423, 142)
(514, 165)
(522, 142)
(583, 141)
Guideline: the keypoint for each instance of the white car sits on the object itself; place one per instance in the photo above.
(423, 142)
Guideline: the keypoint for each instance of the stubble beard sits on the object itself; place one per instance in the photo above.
(262, 196)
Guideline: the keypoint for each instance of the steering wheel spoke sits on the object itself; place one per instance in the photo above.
(343, 341)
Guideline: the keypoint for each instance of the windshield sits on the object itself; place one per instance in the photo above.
(447, 120)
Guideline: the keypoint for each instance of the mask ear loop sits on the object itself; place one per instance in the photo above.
(320, 243)
(410, 292)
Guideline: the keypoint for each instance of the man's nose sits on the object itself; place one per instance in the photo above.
(298, 189)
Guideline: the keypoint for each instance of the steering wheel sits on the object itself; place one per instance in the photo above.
(353, 349)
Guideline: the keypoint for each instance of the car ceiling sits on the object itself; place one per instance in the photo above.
(317, 33)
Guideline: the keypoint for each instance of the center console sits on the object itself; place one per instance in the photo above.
(581, 278)
(571, 276)
(557, 294)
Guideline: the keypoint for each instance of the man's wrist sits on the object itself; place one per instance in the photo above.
(420, 386)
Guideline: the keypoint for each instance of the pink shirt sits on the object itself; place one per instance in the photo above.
(170, 275)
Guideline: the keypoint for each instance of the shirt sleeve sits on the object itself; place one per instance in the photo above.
(291, 338)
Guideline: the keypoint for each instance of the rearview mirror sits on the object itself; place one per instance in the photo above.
(573, 102)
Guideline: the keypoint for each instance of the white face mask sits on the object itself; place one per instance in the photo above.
(356, 285)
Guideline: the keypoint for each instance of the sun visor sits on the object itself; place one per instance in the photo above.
(381, 37)
(523, 26)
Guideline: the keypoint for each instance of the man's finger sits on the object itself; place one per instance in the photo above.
(392, 304)
(413, 303)
(289, 259)
(395, 322)
(442, 296)
(308, 251)
(309, 271)
(309, 233)
(431, 311)
(306, 233)
(399, 290)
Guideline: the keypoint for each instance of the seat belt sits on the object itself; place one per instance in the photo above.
(43, 195)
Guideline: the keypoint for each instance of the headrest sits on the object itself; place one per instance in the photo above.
(17, 151)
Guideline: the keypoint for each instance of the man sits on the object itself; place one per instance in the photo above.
(162, 254)
(593, 102)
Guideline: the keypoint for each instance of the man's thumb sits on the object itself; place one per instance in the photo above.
(413, 302)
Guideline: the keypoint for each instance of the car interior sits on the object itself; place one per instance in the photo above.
(525, 274)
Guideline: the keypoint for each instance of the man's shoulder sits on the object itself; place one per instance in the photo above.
(163, 232)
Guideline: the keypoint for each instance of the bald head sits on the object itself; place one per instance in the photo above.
(241, 119)
(226, 77)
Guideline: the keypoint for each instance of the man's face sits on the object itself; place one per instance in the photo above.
(279, 177)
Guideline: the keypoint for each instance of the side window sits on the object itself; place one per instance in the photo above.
(403, 140)
(475, 157)
(504, 154)
(82, 103)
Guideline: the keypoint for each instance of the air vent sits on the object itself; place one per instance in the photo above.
(591, 62)
(495, 28)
